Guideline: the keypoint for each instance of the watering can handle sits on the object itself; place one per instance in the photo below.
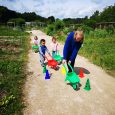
(71, 67)
(66, 68)
(57, 52)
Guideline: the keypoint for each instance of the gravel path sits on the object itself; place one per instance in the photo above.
(55, 97)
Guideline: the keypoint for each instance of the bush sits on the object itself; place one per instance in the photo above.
(50, 29)
(59, 25)
(91, 34)
(66, 30)
(85, 28)
(62, 38)
(110, 30)
(100, 33)
(100, 51)
(4, 31)
(90, 23)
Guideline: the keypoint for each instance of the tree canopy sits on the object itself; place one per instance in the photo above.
(107, 15)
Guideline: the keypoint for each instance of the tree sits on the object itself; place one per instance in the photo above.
(108, 15)
(6, 14)
(59, 24)
(95, 15)
(51, 19)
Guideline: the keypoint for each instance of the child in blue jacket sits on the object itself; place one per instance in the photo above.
(71, 47)
(42, 50)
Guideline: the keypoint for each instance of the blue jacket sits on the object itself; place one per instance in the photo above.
(71, 48)
(43, 50)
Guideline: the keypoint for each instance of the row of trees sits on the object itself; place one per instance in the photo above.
(107, 15)
(9, 15)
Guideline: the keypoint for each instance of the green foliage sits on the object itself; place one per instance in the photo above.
(17, 21)
(66, 30)
(6, 14)
(10, 32)
(6, 100)
(100, 51)
(95, 16)
(108, 14)
(51, 19)
(59, 24)
(98, 45)
(98, 33)
(110, 29)
(13, 55)
(90, 22)
(62, 38)
(50, 29)
(85, 28)
(56, 26)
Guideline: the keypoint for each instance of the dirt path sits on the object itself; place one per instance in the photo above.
(55, 97)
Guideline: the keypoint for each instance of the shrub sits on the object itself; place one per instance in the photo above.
(50, 29)
(110, 30)
(85, 28)
(66, 30)
(59, 25)
(100, 33)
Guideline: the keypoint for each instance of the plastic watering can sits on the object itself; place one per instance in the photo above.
(57, 57)
(72, 77)
(35, 47)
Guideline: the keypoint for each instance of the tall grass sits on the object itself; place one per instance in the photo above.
(100, 51)
(13, 57)
(5, 31)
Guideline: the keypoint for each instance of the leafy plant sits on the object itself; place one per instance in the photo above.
(13, 52)
(50, 29)
(59, 24)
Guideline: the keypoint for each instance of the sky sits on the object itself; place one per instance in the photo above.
(58, 8)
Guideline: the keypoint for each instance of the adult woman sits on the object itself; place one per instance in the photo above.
(71, 47)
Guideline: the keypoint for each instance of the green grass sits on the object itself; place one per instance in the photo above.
(13, 58)
(101, 52)
(10, 32)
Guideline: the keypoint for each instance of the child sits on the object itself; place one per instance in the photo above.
(54, 46)
(35, 45)
(42, 50)
(71, 47)
(35, 41)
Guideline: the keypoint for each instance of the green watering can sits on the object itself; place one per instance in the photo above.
(57, 57)
(72, 77)
(35, 48)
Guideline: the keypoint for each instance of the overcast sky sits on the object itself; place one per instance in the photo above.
(58, 8)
